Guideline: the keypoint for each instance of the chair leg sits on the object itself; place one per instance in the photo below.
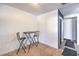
(28, 49)
(21, 43)
(18, 50)
(24, 46)
(38, 40)
(35, 42)
(23, 49)
(19, 47)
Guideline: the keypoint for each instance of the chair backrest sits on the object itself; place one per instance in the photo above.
(36, 34)
(18, 35)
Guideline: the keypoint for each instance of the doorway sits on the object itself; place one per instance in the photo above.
(69, 36)
(70, 29)
(67, 29)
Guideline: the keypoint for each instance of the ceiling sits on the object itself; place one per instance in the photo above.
(36, 9)
(70, 9)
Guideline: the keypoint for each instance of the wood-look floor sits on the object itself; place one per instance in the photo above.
(40, 50)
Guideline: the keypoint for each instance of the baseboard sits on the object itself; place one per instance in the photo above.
(48, 44)
(2, 54)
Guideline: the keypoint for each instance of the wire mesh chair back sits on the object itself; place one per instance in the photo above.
(36, 34)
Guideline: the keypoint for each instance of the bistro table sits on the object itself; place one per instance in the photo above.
(33, 37)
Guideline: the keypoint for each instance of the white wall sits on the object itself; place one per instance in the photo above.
(48, 26)
(13, 20)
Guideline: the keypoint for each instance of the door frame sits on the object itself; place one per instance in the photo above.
(60, 15)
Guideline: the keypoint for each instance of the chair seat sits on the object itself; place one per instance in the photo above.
(22, 38)
(35, 35)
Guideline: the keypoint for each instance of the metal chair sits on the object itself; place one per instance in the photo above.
(21, 41)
